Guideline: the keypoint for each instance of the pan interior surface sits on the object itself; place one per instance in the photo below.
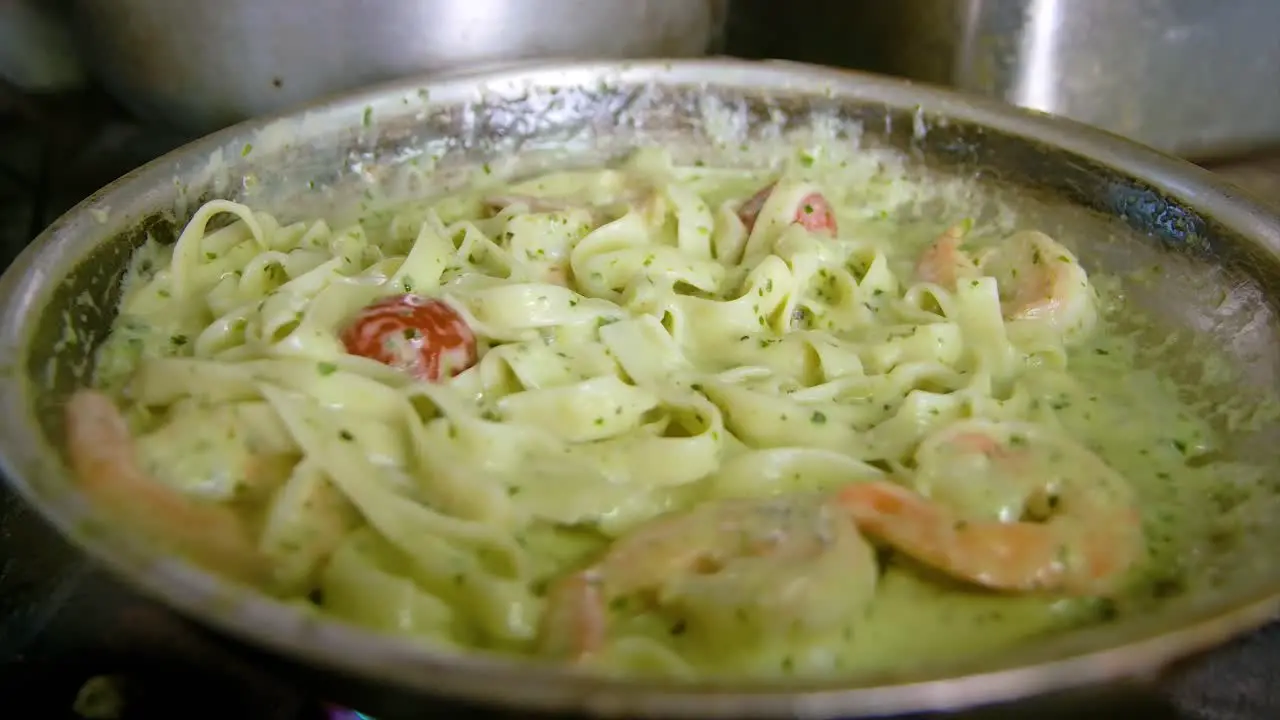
(1196, 269)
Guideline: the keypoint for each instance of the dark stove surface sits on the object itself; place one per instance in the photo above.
(64, 623)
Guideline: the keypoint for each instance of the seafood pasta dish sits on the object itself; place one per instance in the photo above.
(658, 419)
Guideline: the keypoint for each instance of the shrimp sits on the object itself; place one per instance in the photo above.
(1039, 279)
(801, 204)
(794, 562)
(943, 262)
(104, 459)
(1009, 506)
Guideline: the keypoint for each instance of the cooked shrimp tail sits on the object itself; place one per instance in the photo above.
(1039, 280)
(104, 459)
(1011, 556)
(574, 625)
(944, 262)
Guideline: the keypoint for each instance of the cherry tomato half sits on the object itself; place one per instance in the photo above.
(422, 336)
(813, 212)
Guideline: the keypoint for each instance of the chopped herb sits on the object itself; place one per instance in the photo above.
(326, 368)
(248, 148)
(818, 418)
(1168, 587)
(368, 116)
(346, 435)
(178, 340)
(1107, 609)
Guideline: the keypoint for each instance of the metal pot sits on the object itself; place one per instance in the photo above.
(1139, 69)
(1221, 255)
(201, 66)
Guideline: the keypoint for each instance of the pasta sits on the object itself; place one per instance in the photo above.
(648, 417)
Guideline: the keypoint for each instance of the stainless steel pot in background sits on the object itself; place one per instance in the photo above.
(204, 64)
(37, 53)
(1186, 76)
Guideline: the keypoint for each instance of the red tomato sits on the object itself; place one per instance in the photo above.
(815, 214)
(419, 335)
(813, 211)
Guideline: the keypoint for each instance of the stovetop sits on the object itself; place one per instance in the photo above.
(75, 643)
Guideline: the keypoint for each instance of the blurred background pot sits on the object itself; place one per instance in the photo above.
(204, 64)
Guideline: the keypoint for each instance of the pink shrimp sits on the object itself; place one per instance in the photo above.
(811, 210)
(771, 555)
(1065, 521)
(1038, 278)
(943, 262)
(104, 459)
